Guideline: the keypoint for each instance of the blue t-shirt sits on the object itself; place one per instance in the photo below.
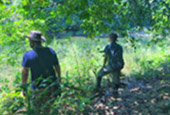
(40, 60)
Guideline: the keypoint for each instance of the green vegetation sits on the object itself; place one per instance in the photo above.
(79, 57)
(93, 17)
(146, 75)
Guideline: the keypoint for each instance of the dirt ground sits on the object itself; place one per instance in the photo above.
(137, 97)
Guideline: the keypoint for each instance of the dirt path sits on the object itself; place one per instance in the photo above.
(139, 97)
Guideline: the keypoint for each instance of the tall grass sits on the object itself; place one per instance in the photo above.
(79, 58)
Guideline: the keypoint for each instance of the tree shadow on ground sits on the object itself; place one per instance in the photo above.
(147, 94)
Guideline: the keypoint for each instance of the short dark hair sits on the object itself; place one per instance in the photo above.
(113, 36)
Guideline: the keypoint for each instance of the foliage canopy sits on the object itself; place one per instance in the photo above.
(18, 17)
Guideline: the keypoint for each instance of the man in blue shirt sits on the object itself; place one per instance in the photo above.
(114, 57)
(41, 61)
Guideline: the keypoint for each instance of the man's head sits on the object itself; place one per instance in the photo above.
(35, 39)
(113, 37)
(35, 44)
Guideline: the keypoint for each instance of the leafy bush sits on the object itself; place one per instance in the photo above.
(79, 58)
(11, 103)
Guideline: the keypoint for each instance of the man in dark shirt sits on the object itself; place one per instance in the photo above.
(114, 56)
(41, 61)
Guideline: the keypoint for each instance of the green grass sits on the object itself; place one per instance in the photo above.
(79, 58)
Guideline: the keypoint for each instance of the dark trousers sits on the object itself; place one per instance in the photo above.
(45, 97)
(108, 70)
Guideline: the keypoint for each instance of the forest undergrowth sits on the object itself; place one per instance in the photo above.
(144, 81)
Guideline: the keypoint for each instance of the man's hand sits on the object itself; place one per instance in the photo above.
(23, 93)
(57, 67)
(105, 60)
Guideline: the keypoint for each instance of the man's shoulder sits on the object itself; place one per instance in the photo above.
(28, 52)
(51, 50)
(118, 46)
(107, 46)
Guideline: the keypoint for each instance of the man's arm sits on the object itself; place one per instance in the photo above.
(58, 69)
(105, 60)
(25, 72)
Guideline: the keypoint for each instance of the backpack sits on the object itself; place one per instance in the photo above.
(116, 60)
